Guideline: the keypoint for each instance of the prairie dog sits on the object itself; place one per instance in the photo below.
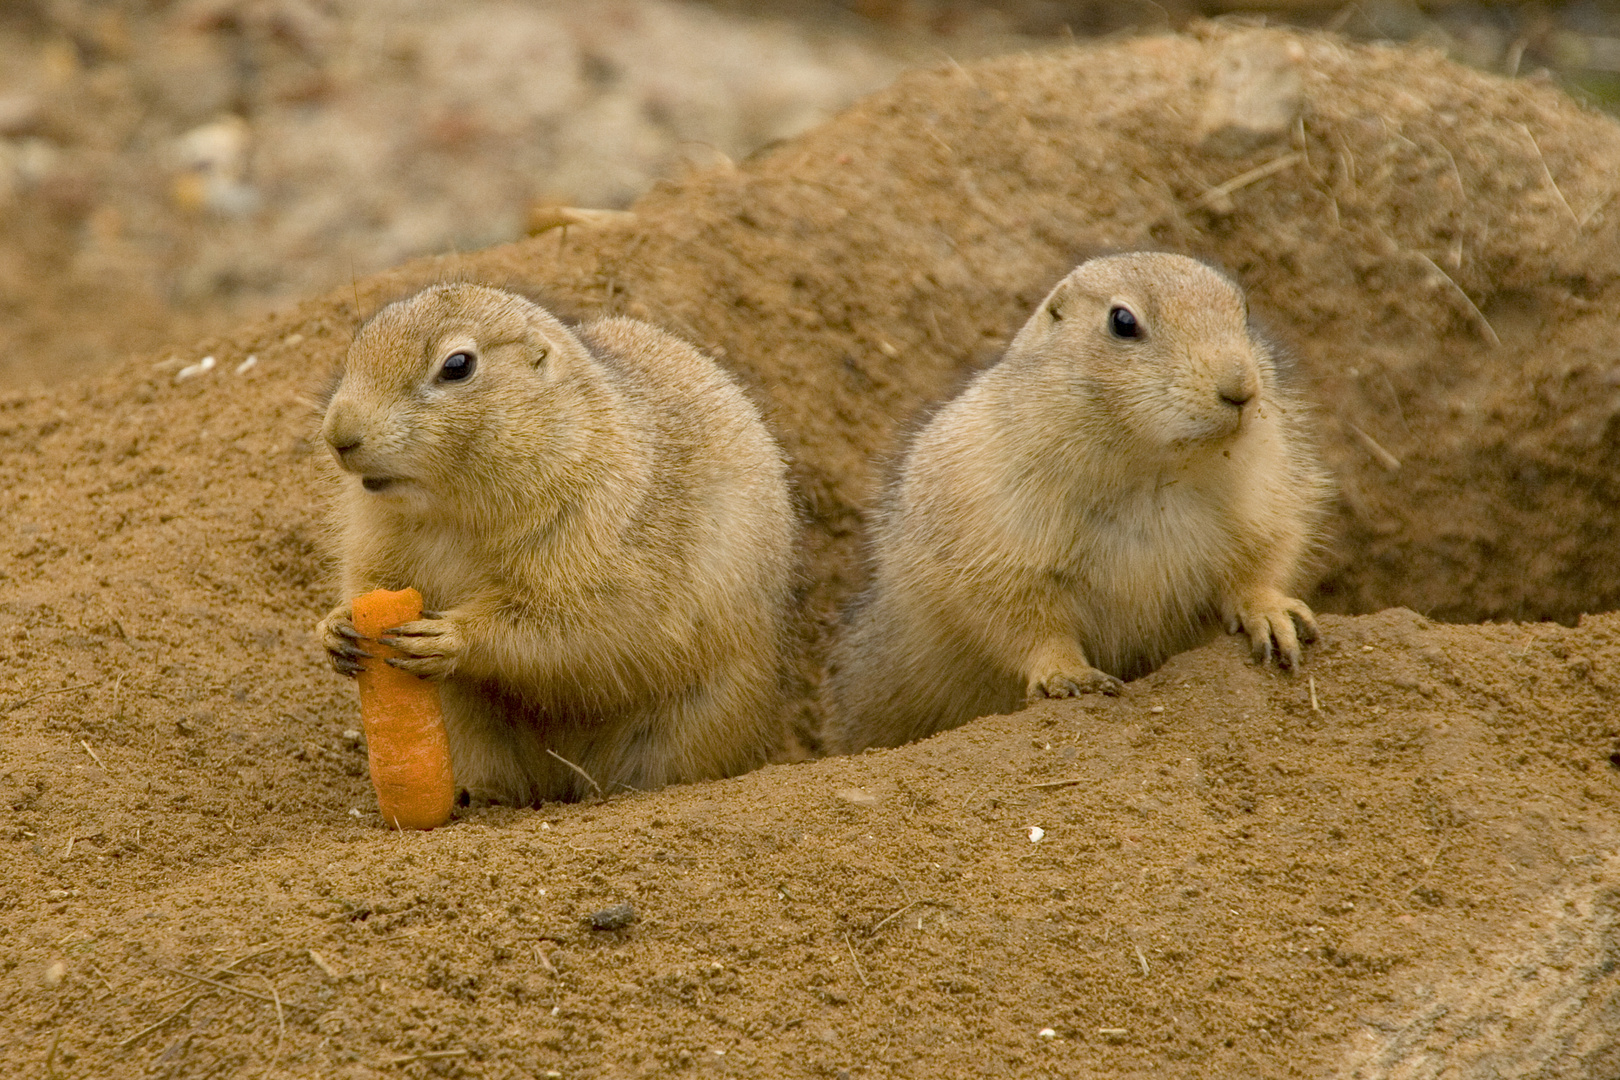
(600, 528)
(1128, 473)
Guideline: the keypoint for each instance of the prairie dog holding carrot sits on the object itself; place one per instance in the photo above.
(1130, 472)
(600, 527)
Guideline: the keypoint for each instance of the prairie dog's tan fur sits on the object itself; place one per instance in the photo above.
(1086, 508)
(600, 528)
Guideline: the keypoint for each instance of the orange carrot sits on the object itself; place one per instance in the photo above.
(405, 737)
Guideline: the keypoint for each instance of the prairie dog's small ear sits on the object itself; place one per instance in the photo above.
(1056, 305)
(540, 346)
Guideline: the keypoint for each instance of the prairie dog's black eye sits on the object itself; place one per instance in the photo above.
(457, 366)
(1121, 323)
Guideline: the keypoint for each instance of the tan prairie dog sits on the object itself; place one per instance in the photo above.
(1129, 472)
(600, 527)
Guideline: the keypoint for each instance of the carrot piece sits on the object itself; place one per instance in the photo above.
(405, 737)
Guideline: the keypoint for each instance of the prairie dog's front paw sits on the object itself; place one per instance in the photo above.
(1074, 683)
(1058, 668)
(1272, 619)
(429, 648)
(337, 635)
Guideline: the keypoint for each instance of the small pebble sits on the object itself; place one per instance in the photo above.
(1035, 834)
(354, 811)
(352, 735)
(1157, 709)
(616, 917)
(1048, 1033)
(55, 974)
(247, 365)
(206, 364)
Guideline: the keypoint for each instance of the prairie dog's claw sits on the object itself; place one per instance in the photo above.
(431, 648)
(1063, 685)
(1276, 625)
(1058, 668)
(337, 635)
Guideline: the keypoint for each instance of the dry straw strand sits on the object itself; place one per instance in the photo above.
(1547, 173)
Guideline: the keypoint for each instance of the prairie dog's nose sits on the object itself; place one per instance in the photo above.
(344, 442)
(1239, 386)
(342, 431)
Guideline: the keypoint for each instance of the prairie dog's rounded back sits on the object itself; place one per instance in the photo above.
(1129, 473)
(601, 518)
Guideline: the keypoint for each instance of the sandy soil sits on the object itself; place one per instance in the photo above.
(1405, 862)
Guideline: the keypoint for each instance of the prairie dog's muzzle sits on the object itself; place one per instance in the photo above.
(1239, 384)
(346, 431)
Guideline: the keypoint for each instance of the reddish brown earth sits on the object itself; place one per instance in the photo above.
(1404, 862)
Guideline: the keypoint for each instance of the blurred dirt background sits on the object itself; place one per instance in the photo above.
(169, 166)
(1404, 863)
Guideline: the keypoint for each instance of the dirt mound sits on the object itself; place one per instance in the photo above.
(1229, 883)
(1240, 874)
